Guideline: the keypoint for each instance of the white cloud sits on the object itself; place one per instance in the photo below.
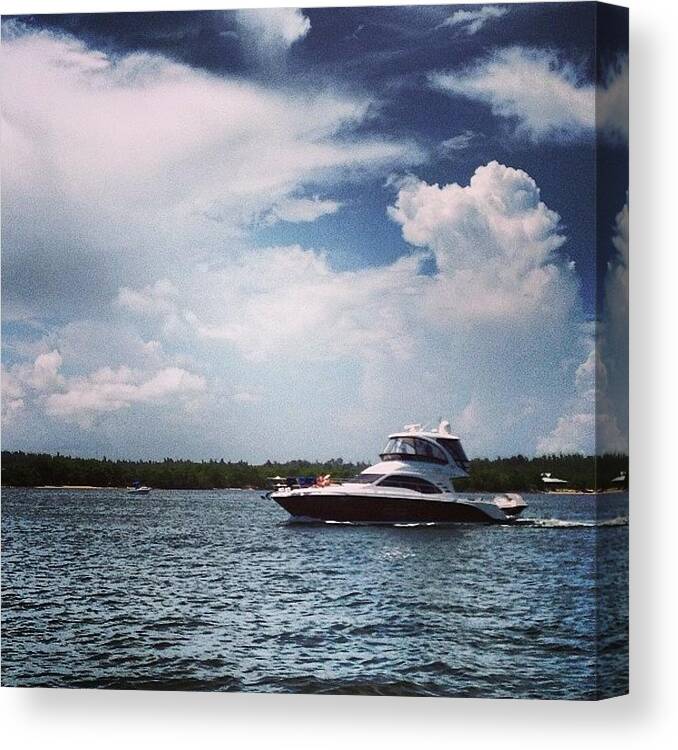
(459, 142)
(597, 420)
(493, 327)
(246, 397)
(576, 431)
(115, 167)
(109, 390)
(297, 210)
(287, 301)
(505, 298)
(24, 381)
(495, 246)
(154, 299)
(546, 96)
(136, 181)
(614, 342)
(612, 102)
(45, 371)
(572, 434)
(88, 345)
(268, 33)
(493, 241)
(13, 394)
(471, 21)
(46, 386)
(590, 427)
(275, 25)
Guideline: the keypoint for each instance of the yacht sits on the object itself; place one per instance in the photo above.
(412, 483)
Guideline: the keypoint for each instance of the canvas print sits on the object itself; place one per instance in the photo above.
(315, 351)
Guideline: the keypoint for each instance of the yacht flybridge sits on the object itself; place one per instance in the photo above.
(412, 483)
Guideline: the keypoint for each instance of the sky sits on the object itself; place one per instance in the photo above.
(285, 233)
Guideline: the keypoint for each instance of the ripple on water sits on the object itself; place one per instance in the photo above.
(217, 591)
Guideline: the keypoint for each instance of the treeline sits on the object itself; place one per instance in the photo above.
(518, 473)
(522, 474)
(21, 469)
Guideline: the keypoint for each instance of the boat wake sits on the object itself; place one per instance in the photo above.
(560, 523)
(394, 524)
(542, 523)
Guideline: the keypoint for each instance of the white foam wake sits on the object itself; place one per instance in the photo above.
(558, 523)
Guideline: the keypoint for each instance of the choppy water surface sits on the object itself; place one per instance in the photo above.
(216, 591)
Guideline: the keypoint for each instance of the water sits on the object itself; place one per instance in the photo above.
(217, 591)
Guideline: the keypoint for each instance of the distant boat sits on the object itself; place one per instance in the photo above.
(619, 483)
(621, 479)
(138, 489)
(553, 484)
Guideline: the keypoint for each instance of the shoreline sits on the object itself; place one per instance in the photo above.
(73, 487)
(97, 487)
(593, 493)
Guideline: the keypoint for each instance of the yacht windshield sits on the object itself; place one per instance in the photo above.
(413, 449)
(363, 479)
(454, 446)
(410, 483)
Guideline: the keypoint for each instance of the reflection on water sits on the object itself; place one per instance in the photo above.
(216, 591)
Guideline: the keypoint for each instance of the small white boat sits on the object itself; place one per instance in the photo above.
(138, 489)
(413, 483)
(553, 484)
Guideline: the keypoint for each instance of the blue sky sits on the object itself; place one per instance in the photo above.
(284, 233)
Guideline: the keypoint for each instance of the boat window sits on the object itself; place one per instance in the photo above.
(410, 483)
(363, 479)
(413, 449)
(455, 449)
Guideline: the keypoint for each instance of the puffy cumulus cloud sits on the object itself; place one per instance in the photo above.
(269, 32)
(87, 374)
(116, 166)
(613, 342)
(597, 420)
(45, 371)
(109, 390)
(488, 338)
(499, 214)
(472, 21)
(494, 243)
(23, 381)
(12, 397)
(591, 426)
(504, 304)
(575, 432)
(572, 434)
(315, 358)
(617, 279)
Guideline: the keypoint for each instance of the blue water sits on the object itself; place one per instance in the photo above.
(217, 591)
